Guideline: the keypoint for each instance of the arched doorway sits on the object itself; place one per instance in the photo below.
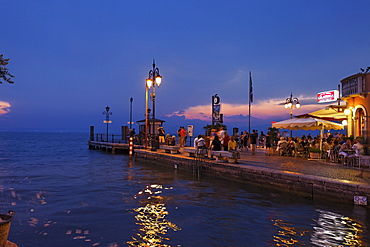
(360, 126)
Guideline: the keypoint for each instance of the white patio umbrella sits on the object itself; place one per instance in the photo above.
(309, 123)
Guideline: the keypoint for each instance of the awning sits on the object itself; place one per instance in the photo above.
(329, 113)
(308, 123)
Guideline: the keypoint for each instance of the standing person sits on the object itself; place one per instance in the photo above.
(161, 135)
(132, 133)
(221, 134)
(232, 147)
(182, 136)
(245, 140)
(196, 142)
(268, 144)
(225, 141)
(262, 139)
(253, 141)
(215, 145)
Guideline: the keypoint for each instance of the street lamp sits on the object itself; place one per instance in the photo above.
(154, 79)
(290, 104)
(107, 113)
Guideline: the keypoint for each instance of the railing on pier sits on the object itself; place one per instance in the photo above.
(110, 138)
(116, 138)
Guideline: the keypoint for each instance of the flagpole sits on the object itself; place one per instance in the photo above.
(250, 101)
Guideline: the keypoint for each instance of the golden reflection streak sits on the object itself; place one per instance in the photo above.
(151, 219)
(285, 236)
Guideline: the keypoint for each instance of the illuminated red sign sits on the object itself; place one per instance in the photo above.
(327, 96)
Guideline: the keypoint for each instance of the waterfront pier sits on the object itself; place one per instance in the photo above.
(295, 175)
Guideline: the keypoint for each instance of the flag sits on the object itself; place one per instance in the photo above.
(250, 88)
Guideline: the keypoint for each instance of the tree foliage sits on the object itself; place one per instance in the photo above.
(217, 126)
(4, 73)
(273, 132)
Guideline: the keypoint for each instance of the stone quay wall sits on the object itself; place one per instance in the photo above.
(289, 182)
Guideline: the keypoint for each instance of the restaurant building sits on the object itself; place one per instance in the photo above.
(355, 92)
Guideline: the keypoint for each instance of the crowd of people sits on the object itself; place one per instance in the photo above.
(332, 147)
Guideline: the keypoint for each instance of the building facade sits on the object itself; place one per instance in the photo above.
(355, 92)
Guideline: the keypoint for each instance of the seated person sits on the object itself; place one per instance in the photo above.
(345, 146)
(290, 146)
(232, 146)
(358, 147)
(281, 145)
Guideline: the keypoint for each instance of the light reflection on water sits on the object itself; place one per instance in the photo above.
(151, 218)
(336, 230)
(287, 234)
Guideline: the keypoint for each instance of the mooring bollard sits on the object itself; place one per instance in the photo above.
(5, 220)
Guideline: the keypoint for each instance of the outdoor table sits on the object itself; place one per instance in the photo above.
(349, 151)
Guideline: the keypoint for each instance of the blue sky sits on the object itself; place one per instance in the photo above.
(72, 58)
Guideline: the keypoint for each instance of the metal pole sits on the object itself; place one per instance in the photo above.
(131, 99)
(146, 117)
(107, 128)
(153, 91)
(291, 117)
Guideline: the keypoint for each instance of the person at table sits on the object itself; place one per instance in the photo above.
(290, 146)
(343, 148)
(281, 146)
(358, 147)
(330, 149)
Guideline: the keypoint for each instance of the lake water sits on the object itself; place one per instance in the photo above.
(66, 195)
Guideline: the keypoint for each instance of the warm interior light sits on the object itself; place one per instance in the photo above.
(344, 122)
(149, 82)
(288, 105)
(347, 112)
(158, 80)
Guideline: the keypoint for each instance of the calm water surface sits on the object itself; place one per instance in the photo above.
(66, 195)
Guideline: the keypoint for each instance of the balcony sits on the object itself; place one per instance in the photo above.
(355, 85)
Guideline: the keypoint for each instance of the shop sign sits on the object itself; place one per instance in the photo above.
(327, 96)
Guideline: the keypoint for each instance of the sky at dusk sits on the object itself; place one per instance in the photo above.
(71, 59)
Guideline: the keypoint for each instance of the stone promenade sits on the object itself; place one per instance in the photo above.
(315, 178)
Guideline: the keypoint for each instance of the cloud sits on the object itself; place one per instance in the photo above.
(4, 107)
(266, 109)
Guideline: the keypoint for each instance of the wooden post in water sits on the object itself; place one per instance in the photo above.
(91, 133)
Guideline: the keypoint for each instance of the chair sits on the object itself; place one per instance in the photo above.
(299, 150)
(336, 157)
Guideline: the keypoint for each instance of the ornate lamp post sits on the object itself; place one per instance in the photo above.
(290, 104)
(107, 113)
(154, 79)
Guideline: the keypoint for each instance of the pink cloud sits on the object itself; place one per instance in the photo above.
(4, 107)
(266, 109)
